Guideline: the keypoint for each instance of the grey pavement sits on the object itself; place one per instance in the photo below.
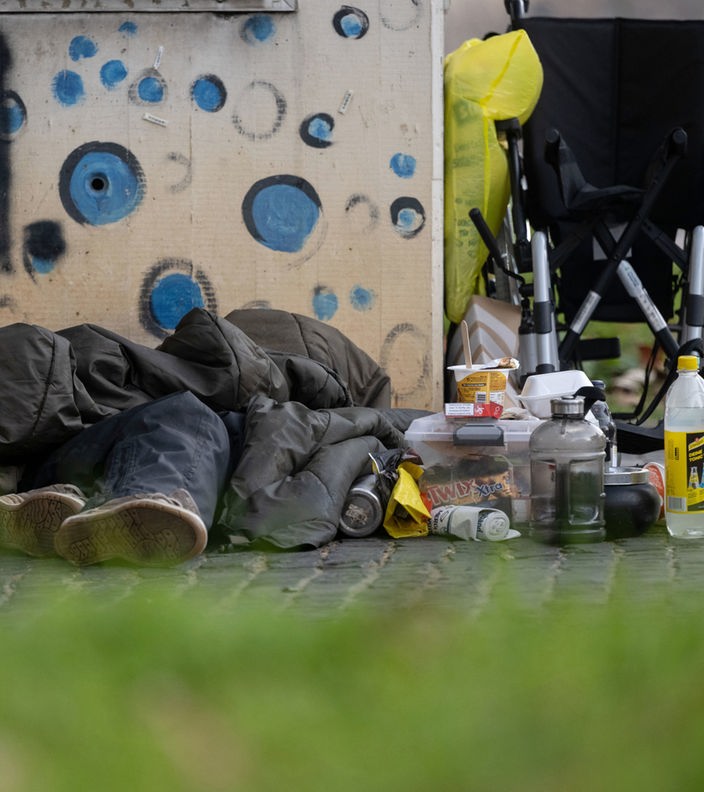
(379, 572)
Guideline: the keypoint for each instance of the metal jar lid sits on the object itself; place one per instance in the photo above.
(625, 475)
(567, 406)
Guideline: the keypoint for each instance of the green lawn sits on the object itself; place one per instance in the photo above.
(162, 693)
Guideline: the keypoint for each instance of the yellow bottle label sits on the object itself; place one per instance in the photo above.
(684, 457)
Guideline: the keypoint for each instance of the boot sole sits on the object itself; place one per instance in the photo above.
(31, 526)
(146, 533)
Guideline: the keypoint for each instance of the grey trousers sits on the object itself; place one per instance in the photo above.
(170, 443)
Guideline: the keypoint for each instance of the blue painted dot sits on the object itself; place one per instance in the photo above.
(68, 88)
(351, 25)
(403, 165)
(258, 28)
(113, 73)
(209, 93)
(173, 297)
(320, 128)
(82, 47)
(281, 212)
(150, 89)
(316, 130)
(13, 114)
(350, 22)
(128, 28)
(408, 216)
(361, 299)
(43, 266)
(407, 219)
(11, 119)
(324, 303)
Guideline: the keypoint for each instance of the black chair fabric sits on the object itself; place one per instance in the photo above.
(615, 88)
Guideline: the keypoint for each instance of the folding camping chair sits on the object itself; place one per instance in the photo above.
(613, 160)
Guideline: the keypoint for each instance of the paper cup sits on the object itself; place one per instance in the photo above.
(483, 388)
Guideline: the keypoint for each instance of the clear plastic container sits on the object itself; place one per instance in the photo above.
(684, 449)
(567, 476)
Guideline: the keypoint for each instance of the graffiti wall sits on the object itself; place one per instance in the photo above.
(152, 162)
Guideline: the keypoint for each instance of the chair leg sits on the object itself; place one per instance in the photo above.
(694, 303)
(543, 308)
(651, 314)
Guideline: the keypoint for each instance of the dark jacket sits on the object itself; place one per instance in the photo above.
(307, 435)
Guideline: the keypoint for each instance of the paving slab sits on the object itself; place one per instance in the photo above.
(380, 572)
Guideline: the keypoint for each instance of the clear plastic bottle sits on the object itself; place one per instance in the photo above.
(684, 444)
(567, 476)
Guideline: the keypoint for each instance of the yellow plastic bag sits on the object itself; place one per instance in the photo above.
(485, 81)
(406, 512)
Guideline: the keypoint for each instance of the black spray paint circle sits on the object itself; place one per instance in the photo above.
(360, 200)
(181, 162)
(101, 183)
(13, 115)
(209, 93)
(281, 211)
(398, 18)
(350, 22)
(246, 102)
(316, 130)
(178, 282)
(404, 343)
(407, 216)
(148, 89)
(43, 245)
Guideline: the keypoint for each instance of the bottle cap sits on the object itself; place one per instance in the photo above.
(687, 363)
(567, 406)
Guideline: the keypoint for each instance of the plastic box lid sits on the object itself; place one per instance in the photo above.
(486, 432)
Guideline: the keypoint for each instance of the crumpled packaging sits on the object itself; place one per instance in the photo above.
(398, 471)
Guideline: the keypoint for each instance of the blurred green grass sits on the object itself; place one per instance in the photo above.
(171, 693)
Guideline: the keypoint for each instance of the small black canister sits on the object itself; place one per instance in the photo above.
(632, 503)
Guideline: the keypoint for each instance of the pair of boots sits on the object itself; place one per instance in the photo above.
(150, 529)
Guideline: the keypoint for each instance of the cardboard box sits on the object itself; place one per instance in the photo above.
(157, 158)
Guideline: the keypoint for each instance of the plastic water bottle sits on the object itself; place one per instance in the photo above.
(684, 448)
(567, 476)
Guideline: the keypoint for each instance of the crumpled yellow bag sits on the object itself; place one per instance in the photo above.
(406, 512)
(485, 81)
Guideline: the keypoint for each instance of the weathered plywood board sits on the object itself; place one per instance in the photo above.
(155, 161)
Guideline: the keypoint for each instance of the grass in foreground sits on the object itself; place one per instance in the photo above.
(164, 694)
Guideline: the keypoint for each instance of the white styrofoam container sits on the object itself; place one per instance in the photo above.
(540, 389)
